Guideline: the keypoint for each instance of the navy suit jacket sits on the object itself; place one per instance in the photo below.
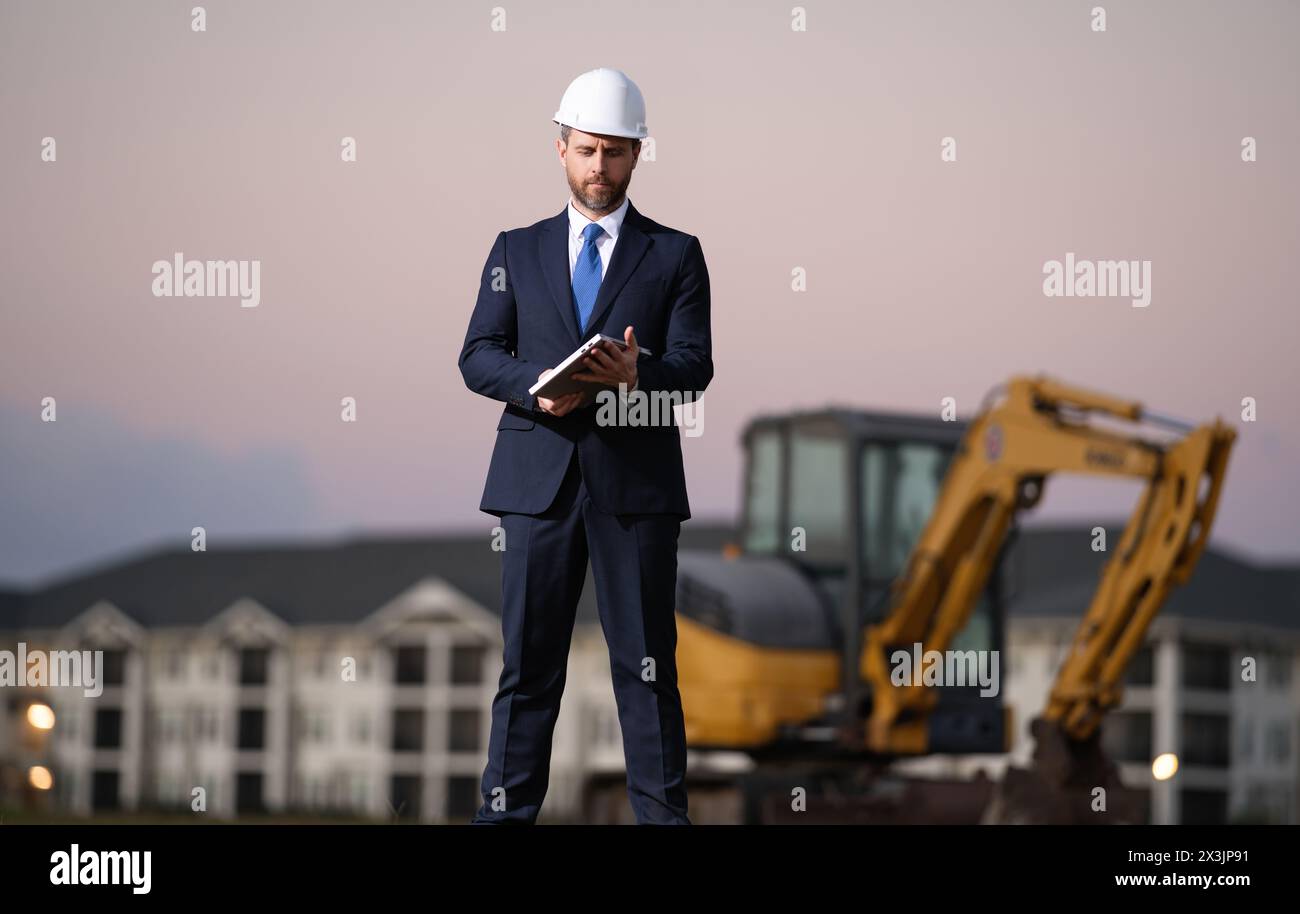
(525, 322)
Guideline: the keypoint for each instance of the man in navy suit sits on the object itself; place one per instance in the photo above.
(568, 485)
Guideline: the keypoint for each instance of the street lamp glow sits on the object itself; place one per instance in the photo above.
(40, 716)
(1164, 767)
(39, 777)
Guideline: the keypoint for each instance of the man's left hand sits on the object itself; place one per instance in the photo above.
(608, 364)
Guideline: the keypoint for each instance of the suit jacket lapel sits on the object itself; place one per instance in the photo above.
(553, 251)
(631, 247)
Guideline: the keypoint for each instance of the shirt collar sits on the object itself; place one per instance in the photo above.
(611, 222)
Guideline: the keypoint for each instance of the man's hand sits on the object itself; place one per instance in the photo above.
(561, 406)
(608, 364)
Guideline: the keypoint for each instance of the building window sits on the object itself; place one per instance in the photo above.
(168, 726)
(1277, 670)
(114, 668)
(467, 664)
(463, 799)
(313, 725)
(1126, 736)
(108, 728)
(1204, 807)
(252, 728)
(104, 789)
(1206, 666)
(404, 795)
(464, 730)
(1205, 740)
(1265, 805)
(1141, 667)
(248, 792)
(254, 664)
(409, 664)
(1142, 797)
(1277, 742)
(408, 730)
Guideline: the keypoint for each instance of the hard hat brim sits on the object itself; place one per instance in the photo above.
(601, 129)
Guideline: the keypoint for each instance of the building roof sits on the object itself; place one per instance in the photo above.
(321, 583)
(11, 604)
(1053, 572)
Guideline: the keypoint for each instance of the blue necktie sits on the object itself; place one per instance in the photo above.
(586, 275)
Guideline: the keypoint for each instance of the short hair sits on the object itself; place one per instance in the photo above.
(564, 135)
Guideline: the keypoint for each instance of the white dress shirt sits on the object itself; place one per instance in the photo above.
(611, 222)
(604, 244)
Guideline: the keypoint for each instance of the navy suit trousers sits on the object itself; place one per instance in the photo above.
(634, 564)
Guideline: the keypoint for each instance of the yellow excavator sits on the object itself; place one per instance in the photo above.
(867, 534)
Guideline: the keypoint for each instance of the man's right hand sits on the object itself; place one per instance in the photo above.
(560, 406)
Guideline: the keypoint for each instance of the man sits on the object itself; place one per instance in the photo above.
(568, 487)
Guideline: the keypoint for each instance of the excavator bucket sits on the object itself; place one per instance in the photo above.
(1071, 782)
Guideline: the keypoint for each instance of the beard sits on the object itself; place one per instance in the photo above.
(599, 199)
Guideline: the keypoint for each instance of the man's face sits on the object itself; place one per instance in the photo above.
(599, 168)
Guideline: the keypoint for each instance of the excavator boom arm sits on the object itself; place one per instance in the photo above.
(1040, 427)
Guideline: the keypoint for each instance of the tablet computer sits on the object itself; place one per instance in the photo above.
(560, 381)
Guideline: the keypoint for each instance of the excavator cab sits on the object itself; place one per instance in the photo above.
(770, 636)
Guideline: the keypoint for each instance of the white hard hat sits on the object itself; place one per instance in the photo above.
(604, 101)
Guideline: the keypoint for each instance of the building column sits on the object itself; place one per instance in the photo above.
(1166, 722)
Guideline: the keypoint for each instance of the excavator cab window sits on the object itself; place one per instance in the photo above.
(800, 486)
(900, 485)
(762, 532)
(819, 509)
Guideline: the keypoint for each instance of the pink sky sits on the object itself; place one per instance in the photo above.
(777, 149)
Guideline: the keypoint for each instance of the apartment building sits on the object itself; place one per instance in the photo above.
(356, 679)
(353, 679)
